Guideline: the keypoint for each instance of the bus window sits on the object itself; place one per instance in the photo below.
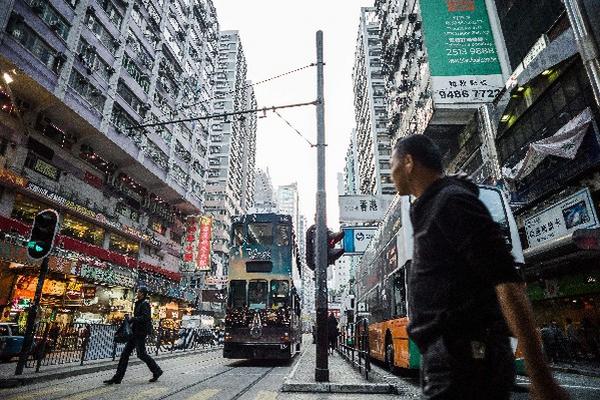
(399, 294)
(238, 234)
(283, 235)
(260, 233)
(494, 203)
(279, 293)
(237, 294)
(257, 294)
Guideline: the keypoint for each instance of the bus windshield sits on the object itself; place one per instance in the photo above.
(494, 202)
(237, 294)
(260, 233)
(257, 294)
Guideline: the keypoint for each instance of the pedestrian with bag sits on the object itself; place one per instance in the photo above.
(141, 326)
(465, 296)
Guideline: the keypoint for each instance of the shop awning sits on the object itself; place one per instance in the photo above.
(581, 244)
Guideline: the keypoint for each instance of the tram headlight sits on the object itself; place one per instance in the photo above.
(285, 337)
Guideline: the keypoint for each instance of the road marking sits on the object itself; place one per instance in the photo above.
(91, 394)
(154, 392)
(526, 382)
(36, 394)
(204, 394)
(266, 395)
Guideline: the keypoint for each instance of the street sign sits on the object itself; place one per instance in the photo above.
(363, 208)
(356, 239)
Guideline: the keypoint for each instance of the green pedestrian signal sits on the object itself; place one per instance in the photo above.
(43, 231)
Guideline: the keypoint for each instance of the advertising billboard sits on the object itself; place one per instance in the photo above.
(197, 244)
(462, 55)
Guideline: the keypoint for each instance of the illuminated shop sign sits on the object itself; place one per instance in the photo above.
(7, 176)
(46, 169)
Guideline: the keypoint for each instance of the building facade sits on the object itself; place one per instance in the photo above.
(264, 197)
(78, 76)
(373, 143)
(232, 147)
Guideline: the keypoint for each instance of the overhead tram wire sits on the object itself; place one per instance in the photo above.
(296, 130)
(210, 116)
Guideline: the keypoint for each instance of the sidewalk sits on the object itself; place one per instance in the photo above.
(51, 372)
(342, 377)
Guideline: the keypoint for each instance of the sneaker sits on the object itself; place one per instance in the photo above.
(155, 376)
(112, 381)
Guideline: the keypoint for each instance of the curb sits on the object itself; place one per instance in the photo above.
(573, 370)
(6, 383)
(365, 388)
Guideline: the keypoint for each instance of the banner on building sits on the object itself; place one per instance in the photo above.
(363, 208)
(561, 219)
(564, 143)
(461, 51)
(197, 244)
(215, 280)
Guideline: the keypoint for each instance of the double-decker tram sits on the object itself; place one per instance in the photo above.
(263, 307)
(382, 272)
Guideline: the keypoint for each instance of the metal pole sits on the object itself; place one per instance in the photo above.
(588, 48)
(31, 314)
(322, 369)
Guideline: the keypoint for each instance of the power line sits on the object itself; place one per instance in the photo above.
(296, 130)
(263, 109)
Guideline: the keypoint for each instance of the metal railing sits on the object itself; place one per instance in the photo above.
(56, 344)
(355, 347)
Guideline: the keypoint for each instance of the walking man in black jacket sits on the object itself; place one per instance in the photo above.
(141, 327)
(464, 294)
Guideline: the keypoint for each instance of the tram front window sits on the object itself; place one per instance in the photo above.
(257, 294)
(260, 233)
(279, 294)
(283, 235)
(237, 294)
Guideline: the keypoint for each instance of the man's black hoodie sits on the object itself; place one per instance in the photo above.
(460, 255)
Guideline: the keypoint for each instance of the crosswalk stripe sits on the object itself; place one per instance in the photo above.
(204, 394)
(145, 394)
(266, 395)
(36, 394)
(91, 394)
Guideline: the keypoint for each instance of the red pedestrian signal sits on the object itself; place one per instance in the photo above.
(334, 253)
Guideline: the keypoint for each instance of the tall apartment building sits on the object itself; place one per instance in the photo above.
(232, 146)
(264, 197)
(351, 168)
(288, 202)
(78, 74)
(373, 142)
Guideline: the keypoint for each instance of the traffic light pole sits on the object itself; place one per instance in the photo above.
(31, 314)
(322, 368)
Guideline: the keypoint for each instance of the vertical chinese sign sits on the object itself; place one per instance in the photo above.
(190, 244)
(204, 241)
(462, 54)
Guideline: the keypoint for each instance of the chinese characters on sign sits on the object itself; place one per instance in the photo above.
(362, 208)
(197, 244)
(462, 54)
(563, 218)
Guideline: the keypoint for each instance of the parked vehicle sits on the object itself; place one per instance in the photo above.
(11, 341)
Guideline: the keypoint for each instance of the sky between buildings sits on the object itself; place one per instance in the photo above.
(279, 36)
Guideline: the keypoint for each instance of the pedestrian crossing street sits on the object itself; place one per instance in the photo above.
(155, 392)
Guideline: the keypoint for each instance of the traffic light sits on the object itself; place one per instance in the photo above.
(333, 253)
(42, 235)
(310, 247)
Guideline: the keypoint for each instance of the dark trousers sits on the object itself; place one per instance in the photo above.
(463, 369)
(139, 344)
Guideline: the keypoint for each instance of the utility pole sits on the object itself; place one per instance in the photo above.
(322, 368)
(586, 43)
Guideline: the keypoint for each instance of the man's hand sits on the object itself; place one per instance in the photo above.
(519, 316)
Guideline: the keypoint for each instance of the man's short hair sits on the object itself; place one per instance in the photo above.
(422, 149)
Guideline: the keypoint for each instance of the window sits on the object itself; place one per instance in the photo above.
(51, 17)
(82, 230)
(87, 91)
(260, 233)
(136, 73)
(25, 208)
(238, 234)
(283, 235)
(257, 294)
(29, 39)
(90, 58)
(280, 291)
(399, 294)
(237, 294)
(122, 245)
(131, 99)
(111, 10)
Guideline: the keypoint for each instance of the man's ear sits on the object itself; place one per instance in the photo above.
(409, 162)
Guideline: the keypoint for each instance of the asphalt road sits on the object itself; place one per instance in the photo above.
(208, 376)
